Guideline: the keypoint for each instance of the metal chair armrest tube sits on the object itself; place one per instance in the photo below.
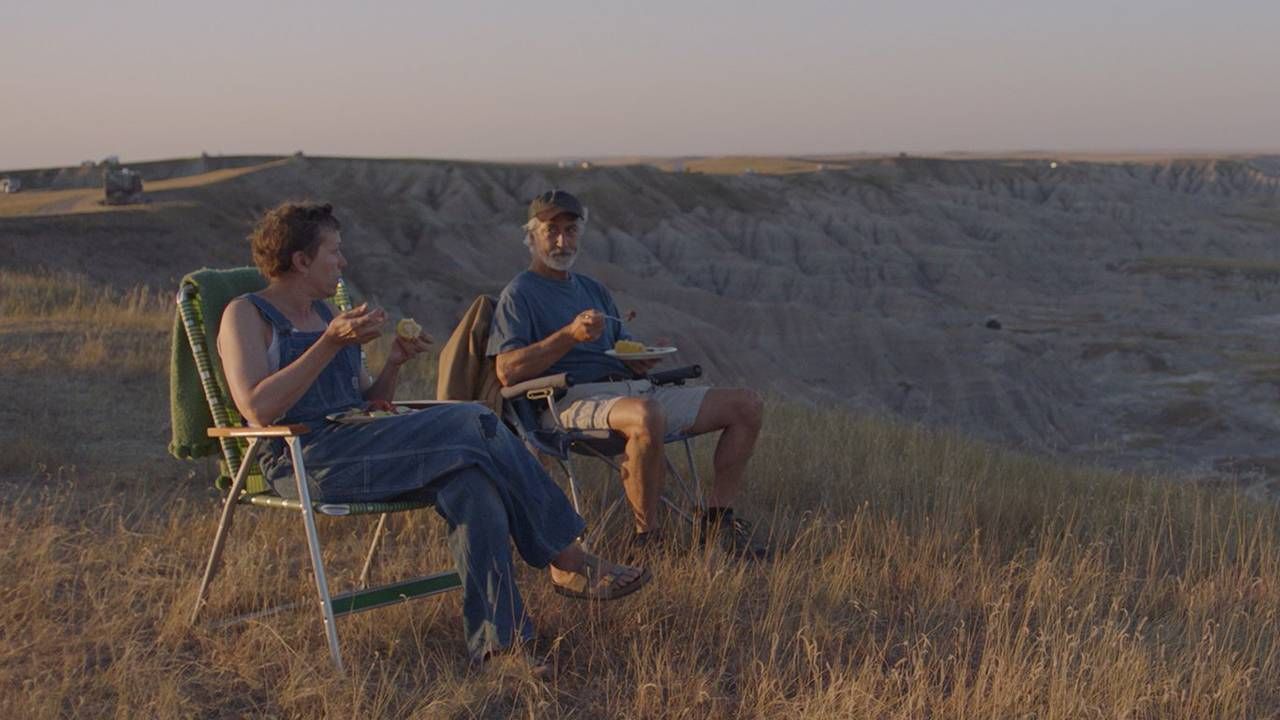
(550, 382)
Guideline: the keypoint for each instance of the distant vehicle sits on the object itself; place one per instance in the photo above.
(10, 185)
(121, 186)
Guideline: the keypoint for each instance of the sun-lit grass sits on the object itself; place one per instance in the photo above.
(918, 574)
(63, 322)
(1255, 270)
(53, 297)
(738, 164)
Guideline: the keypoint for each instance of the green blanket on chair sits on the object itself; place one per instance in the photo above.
(188, 408)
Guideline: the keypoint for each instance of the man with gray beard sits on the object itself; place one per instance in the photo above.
(549, 320)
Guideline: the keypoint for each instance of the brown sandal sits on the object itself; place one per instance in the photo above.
(591, 585)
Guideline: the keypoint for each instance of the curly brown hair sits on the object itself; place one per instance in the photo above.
(286, 229)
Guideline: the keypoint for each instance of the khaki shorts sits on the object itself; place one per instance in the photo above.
(587, 406)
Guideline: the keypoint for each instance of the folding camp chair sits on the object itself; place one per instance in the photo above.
(524, 402)
(239, 445)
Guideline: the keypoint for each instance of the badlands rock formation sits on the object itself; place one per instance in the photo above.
(1121, 312)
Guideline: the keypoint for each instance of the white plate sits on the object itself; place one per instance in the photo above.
(648, 353)
(359, 417)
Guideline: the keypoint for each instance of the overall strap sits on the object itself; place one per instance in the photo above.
(322, 309)
(272, 315)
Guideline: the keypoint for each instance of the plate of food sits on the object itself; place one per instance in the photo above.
(356, 416)
(631, 350)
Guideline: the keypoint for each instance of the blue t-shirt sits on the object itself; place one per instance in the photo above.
(532, 307)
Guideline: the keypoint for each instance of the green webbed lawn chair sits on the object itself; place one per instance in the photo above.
(202, 298)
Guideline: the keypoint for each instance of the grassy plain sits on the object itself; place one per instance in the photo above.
(918, 574)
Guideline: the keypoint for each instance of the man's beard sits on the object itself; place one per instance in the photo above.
(560, 262)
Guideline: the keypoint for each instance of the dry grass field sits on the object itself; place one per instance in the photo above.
(918, 575)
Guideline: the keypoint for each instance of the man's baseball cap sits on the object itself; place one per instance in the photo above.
(553, 202)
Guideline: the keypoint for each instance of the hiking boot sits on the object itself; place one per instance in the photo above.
(734, 535)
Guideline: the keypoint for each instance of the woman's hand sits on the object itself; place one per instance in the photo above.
(356, 326)
(405, 349)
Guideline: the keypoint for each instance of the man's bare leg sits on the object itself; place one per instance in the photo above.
(740, 413)
(644, 472)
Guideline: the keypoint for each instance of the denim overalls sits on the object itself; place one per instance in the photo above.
(480, 477)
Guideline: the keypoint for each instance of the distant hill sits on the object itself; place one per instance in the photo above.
(89, 175)
(1122, 310)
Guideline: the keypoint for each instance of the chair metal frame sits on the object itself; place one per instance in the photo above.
(244, 490)
(521, 408)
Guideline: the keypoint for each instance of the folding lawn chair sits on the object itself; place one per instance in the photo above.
(238, 444)
(524, 402)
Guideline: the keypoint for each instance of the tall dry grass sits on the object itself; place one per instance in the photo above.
(54, 296)
(73, 357)
(918, 574)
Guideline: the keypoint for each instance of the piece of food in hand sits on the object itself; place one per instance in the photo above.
(408, 329)
(628, 346)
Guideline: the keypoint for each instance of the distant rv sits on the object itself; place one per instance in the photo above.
(121, 186)
(10, 185)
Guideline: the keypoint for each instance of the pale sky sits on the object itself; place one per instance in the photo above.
(494, 80)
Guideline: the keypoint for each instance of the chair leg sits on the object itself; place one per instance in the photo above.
(673, 473)
(698, 500)
(567, 467)
(691, 490)
(607, 507)
(313, 544)
(373, 550)
(224, 528)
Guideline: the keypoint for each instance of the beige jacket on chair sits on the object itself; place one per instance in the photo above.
(464, 372)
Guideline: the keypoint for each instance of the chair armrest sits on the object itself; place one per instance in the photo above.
(252, 432)
(676, 376)
(550, 382)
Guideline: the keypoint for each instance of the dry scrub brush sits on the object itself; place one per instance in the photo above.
(917, 574)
